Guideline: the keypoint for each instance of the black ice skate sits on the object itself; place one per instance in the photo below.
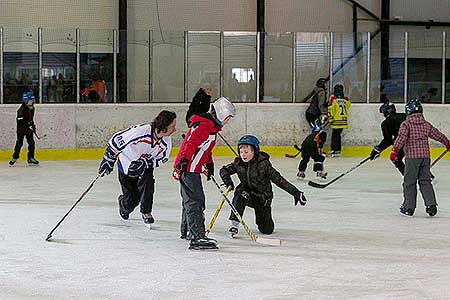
(122, 211)
(322, 174)
(12, 162)
(431, 210)
(233, 231)
(301, 175)
(406, 212)
(32, 161)
(148, 219)
(186, 236)
(203, 243)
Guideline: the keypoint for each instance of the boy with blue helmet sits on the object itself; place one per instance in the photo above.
(25, 128)
(256, 175)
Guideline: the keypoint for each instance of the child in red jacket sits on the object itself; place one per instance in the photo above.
(413, 138)
(196, 153)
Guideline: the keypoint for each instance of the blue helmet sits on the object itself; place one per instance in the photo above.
(27, 96)
(249, 140)
(317, 126)
(413, 106)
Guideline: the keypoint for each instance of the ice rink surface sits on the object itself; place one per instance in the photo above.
(349, 242)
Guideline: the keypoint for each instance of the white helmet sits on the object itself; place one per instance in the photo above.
(223, 109)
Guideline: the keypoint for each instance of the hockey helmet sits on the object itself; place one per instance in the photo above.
(27, 96)
(321, 83)
(317, 126)
(387, 108)
(249, 140)
(413, 106)
(223, 108)
(339, 91)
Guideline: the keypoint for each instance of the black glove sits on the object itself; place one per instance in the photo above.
(299, 197)
(209, 170)
(138, 167)
(32, 127)
(107, 164)
(375, 153)
(229, 184)
(180, 168)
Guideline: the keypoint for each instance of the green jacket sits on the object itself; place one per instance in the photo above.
(256, 177)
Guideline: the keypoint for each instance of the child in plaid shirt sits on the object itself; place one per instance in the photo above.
(413, 138)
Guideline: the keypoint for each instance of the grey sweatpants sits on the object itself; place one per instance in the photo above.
(193, 205)
(417, 169)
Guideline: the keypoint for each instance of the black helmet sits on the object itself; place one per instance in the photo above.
(413, 106)
(387, 108)
(321, 83)
(339, 90)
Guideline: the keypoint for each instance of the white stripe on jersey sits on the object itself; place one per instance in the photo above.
(201, 150)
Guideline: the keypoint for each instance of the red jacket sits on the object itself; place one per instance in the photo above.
(413, 136)
(198, 144)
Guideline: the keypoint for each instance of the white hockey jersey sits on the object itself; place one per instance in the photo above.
(133, 143)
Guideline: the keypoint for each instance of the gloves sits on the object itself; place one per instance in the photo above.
(229, 184)
(447, 146)
(32, 127)
(209, 170)
(180, 168)
(107, 164)
(394, 153)
(138, 167)
(375, 153)
(299, 197)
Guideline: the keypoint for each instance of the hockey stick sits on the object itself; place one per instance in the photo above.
(255, 238)
(294, 156)
(216, 214)
(439, 158)
(229, 146)
(321, 186)
(49, 236)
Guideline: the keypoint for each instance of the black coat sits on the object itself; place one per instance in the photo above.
(390, 127)
(200, 105)
(256, 177)
(25, 120)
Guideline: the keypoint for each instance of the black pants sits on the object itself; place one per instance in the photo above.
(19, 144)
(316, 156)
(193, 205)
(263, 214)
(311, 118)
(138, 190)
(399, 164)
(336, 139)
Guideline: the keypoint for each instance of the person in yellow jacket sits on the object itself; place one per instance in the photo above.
(338, 106)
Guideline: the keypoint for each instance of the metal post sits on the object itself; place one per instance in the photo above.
(331, 62)
(444, 54)
(40, 63)
(115, 65)
(186, 44)
(258, 65)
(1, 65)
(150, 65)
(368, 69)
(405, 88)
(294, 66)
(222, 63)
(77, 49)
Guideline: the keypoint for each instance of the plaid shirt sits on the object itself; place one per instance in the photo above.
(413, 136)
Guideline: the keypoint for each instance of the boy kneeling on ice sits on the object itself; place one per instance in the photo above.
(255, 173)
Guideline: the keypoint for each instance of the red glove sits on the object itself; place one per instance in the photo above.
(448, 146)
(394, 153)
(180, 169)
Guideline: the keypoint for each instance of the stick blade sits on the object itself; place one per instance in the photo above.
(48, 237)
(297, 147)
(267, 241)
(290, 155)
(317, 185)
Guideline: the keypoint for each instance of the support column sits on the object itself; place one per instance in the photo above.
(122, 57)
(384, 61)
(260, 27)
(40, 63)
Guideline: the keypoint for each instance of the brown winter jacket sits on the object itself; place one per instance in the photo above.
(256, 177)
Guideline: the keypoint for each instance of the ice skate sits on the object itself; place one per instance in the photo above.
(406, 212)
(148, 220)
(321, 174)
(32, 161)
(301, 175)
(431, 210)
(233, 231)
(12, 162)
(203, 243)
(122, 211)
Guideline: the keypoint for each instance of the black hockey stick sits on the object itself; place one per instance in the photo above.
(439, 158)
(321, 186)
(229, 146)
(49, 236)
(294, 156)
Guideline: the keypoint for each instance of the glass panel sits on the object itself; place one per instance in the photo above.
(425, 66)
(168, 66)
(240, 66)
(375, 61)
(312, 62)
(96, 65)
(278, 67)
(20, 63)
(447, 68)
(350, 64)
(203, 62)
(59, 63)
(392, 87)
(138, 66)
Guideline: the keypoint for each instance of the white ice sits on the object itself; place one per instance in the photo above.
(349, 242)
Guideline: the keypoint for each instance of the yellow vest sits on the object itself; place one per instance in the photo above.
(338, 112)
